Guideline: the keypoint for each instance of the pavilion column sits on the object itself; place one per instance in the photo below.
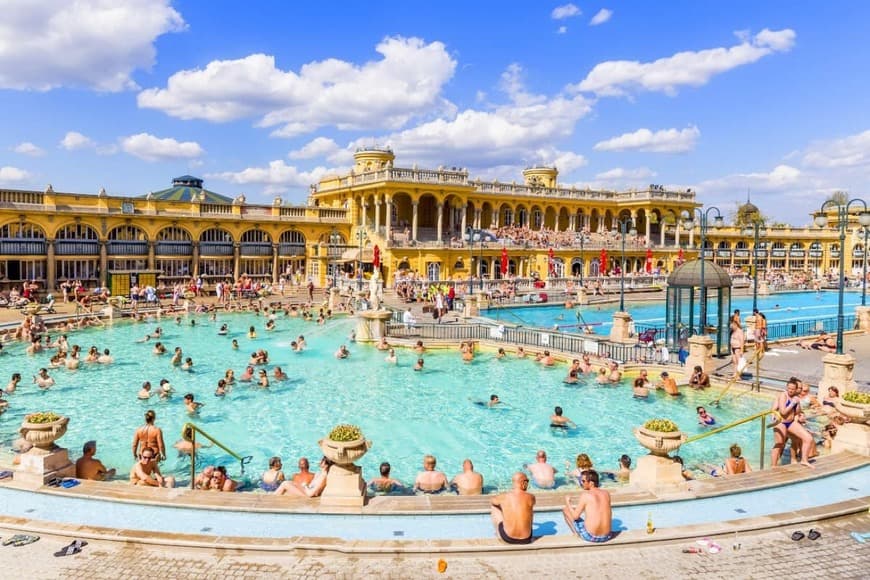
(50, 266)
(104, 261)
(274, 263)
(377, 214)
(440, 221)
(152, 251)
(237, 260)
(195, 264)
(388, 219)
(464, 218)
(692, 239)
(677, 234)
(362, 216)
(415, 207)
(648, 233)
(478, 216)
(572, 222)
(662, 227)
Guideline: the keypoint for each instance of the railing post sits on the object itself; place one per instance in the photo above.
(761, 453)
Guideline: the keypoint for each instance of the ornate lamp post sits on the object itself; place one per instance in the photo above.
(822, 219)
(689, 224)
(361, 235)
(864, 269)
(334, 240)
(624, 225)
(755, 229)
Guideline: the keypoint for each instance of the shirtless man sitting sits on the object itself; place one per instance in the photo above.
(614, 375)
(89, 467)
(430, 480)
(146, 472)
(385, 483)
(469, 482)
(594, 504)
(512, 512)
(788, 405)
(543, 474)
(303, 476)
(669, 385)
(699, 379)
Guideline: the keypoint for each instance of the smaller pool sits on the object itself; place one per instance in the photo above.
(90, 512)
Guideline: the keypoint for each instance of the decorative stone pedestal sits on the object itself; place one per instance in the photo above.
(582, 297)
(471, 307)
(657, 473)
(851, 437)
(619, 330)
(334, 299)
(700, 353)
(371, 325)
(763, 288)
(862, 314)
(345, 486)
(39, 466)
(837, 372)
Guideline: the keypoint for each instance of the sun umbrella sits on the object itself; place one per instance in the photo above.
(376, 257)
(649, 260)
(602, 259)
(504, 261)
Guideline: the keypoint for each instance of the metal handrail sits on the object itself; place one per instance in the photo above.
(760, 415)
(188, 433)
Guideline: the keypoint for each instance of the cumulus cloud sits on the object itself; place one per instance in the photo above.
(565, 11)
(74, 140)
(28, 148)
(621, 175)
(151, 148)
(12, 175)
(601, 17)
(325, 148)
(851, 151)
(620, 77)
(663, 141)
(277, 177)
(88, 43)
(780, 178)
(383, 94)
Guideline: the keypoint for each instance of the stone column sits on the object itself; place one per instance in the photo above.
(471, 306)
(619, 330)
(677, 234)
(440, 226)
(152, 253)
(478, 217)
(415, 206)
(464, 219)
(648, 233)
(389, 220)
(657, 474)
(700, 353)
(372, 325)
(838, 370)
(50, 267)
(862, 315)
(274, 263)
(104, 261)
(377, 214)
(195, 264)
(237, 260)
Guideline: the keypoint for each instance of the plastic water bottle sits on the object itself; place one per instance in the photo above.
(650, 528)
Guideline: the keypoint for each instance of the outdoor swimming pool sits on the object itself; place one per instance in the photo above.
(405, 413)
(783, 307)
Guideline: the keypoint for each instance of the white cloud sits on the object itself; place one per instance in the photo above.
(619, 77)
(319, 147)
(74, 140)
(278, 177)
(601, 17)
(565, 11)
(88, 43)
(12, 175)
(562, 30)
(663, 141)
(565, 161)
(151, 148)
(382, 94)
(851, 151)
(780, 178)
(28, 148)
(620, 175)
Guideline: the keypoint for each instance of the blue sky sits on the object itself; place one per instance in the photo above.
(264, 98)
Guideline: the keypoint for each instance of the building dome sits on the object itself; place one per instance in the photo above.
(689, 274)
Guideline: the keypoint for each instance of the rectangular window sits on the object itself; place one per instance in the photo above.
(128, 265)
(216, 267)
(178, 268)
(77, 269)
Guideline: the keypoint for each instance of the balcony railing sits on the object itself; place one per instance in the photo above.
(256, 249)
(76, 248)
(180, 248)
(291, 249)
(16, 246)
(128, 248)
(215, 248)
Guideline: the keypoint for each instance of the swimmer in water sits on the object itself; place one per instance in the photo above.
(419, 364)
(192, 406)
(559, 421)
(391, 356)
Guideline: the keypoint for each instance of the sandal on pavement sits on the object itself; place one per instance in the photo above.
(74, 548)
(797, 536)
(814, 534)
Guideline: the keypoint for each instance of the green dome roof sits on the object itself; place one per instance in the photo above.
(689, 274)
(186, 188)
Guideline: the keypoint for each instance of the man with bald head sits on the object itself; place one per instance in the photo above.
(469, 482)
(512, 512)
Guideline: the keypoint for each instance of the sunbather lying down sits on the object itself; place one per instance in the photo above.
(824, 343)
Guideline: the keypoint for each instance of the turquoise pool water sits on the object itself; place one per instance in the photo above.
(405, 413)
(784, 307)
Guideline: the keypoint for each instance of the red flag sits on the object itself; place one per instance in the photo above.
(504, 261)
(551, 262)
(649, 260)
(376, 257)
(680, 256)
(602, 266)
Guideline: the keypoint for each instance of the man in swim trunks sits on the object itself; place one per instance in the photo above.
(89, 467)
(469, 482)
(559, 420)
(430, 480)
(699, 379)
(512, 512)
(788, 405)
(145, 471)
(594, 504)
(669, 385)
(385, 483)
(543, 474)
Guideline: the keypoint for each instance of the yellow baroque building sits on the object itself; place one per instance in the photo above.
(437, 223)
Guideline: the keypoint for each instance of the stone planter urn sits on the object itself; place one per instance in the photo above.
(659, 443)
(43, 435)
(345, 485)
(855, 435)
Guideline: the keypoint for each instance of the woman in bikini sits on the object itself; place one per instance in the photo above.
(149, 435)
(736, 463)
(788, 405)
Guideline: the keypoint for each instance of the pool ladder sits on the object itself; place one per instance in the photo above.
(188, 433)
(760, 415)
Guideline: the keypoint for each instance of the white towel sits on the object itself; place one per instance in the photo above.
(666, 355)
(545, 339)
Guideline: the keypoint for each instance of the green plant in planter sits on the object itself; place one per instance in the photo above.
(44, 417)
(856, 397)
(345, 433)
(661, 426)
